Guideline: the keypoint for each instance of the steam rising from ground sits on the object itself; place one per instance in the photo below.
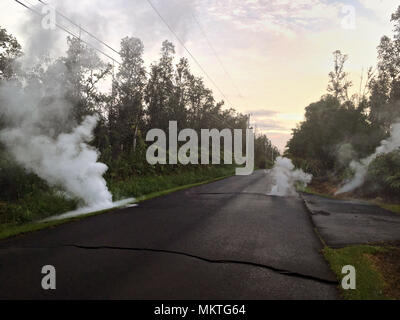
(40, 132)
(361, 167)
(41, 138)
(87, 210)
(285, 177)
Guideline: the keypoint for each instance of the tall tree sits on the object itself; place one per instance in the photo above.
(385, 87)
(10, 51)
(180, 98)
(126, 113)
(84, 71)
(160, 89)
(338, 82)
(264, 152)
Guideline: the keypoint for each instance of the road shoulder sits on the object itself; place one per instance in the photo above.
(362, 235)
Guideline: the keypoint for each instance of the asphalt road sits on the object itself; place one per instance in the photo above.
(224, 240)
(342, 223)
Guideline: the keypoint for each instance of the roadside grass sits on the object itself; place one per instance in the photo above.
(370, 283)
(139, 186)
(390, 207)
(35, 206)
(310, 190)
(377, 266)
(25, 214)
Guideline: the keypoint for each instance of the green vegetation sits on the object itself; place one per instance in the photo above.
(383, 175)
(24, 197)
(139, 186)
(370, 283)
(340, 127)
(310, 190)
(137, 101)
(265, 153)
(391, 207)
(331, 135)
(142, 188)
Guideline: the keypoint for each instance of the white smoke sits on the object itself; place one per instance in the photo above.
(285, 177)
(127, 203)
(39, 136)
(361, 167)
(39, 130)
(107, 20)
(66, 161)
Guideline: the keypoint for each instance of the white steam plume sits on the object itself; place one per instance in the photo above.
(66, 161)
(285, 177)
(39, 130)
(361, 167)
(109, 19)
(40, 138)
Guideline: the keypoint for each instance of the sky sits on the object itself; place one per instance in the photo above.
(268, 58)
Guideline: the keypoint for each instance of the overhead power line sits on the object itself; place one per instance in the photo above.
(216, 54)
(114, 50)
(187, 50)
(82, 29)
(68, 31)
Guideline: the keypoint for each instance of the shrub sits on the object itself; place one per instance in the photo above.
(383, 176)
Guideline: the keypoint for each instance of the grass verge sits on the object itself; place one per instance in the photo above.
(310, 190)
(377, 267)
(370, 281)
(390, 207)
(145, 185)
(141, 188)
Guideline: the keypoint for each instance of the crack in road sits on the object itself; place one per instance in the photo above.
(224, 261)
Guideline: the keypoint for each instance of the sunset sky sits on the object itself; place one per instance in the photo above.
(275, 54)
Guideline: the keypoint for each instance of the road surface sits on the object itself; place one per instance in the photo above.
(343, 223)
(224, 240)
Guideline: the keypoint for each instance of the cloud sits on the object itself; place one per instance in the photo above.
(262, 113)
(270, 125)
(382, 9)
(39, 41)
(278, 52)
(278, 16)
(272, 121)
(279, 139)
(113, 20)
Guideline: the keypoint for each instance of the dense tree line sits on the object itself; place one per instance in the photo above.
(137, 101)
(339, 128)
